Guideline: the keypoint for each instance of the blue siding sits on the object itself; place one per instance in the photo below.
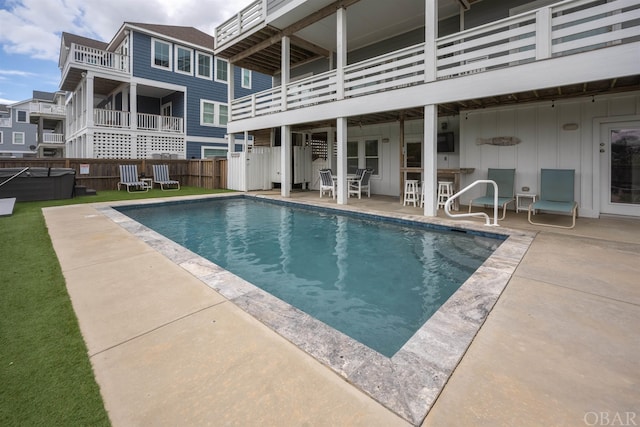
(30, 135)
(196, 89)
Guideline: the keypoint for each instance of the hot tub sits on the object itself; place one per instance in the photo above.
(37, 183)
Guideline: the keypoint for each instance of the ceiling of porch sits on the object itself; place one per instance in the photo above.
(314, 36)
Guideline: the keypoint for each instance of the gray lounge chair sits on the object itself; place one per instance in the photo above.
(129, 178)
(505, 178)
(161, 176)
(556, 195)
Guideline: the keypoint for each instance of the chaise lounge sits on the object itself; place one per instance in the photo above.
(556, 195)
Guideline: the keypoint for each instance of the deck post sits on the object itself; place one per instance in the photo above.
(285, 161)
(341, 50)
(341, 124)
(430, 36)
(285, 71)
(429, 159)
(133, 109)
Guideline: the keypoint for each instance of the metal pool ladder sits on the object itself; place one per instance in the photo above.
(447, 205)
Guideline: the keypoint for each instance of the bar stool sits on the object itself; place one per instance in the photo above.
(445, 190)
(411, 192)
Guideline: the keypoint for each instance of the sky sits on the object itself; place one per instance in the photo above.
(30, 32)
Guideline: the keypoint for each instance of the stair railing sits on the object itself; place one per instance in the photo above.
(447, 205)
(19, 173)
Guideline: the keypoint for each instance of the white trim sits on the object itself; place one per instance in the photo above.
(1, 137)
(215, 71)
(176, 48)
(153, 55)
(216, 113)
(207, 140)
(197, 68)
(155, 34)
(26, 116)
(13, 138)
(158, 84)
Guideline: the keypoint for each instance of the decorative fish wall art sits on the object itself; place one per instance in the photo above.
(502, 141)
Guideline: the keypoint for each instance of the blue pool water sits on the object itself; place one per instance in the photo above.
(376, 281)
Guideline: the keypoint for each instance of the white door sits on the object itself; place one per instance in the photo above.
(620, 168)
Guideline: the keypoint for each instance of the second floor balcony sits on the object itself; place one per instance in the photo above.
(52, 138)
(145, 122)
(562, 29)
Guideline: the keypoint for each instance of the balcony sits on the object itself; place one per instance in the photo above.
(147, 122)
(53, 138)
(78, 59)
(562, 29)
(47, 109)
(238, 25)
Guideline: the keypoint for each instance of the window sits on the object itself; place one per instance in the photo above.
(246, 78)
(160, 54)
(203, 65)
(208, 152)
(213, 113)
(18, 138)
(221, 70)
(184, 59)
(22, 116)
(362, 154)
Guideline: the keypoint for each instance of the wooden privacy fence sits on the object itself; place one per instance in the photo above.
(104, 174)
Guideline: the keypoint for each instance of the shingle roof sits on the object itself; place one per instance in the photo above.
(85, 41)
(187, 34)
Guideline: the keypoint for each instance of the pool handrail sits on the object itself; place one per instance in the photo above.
(447, 205)
(19, 173)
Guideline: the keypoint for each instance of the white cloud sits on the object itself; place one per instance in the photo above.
(33, 27)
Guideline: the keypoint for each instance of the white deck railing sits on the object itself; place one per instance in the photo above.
(53, 138)
(565, 28)
(46, 108)
(244, 20)
(84, 55)
(148, 122)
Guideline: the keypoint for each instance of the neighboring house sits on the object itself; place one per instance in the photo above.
(47, 112)
(18, 137)
(373, 83)
(152, 91)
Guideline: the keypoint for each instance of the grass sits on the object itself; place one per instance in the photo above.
(45, 372)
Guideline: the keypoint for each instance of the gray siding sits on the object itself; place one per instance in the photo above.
(30, 135)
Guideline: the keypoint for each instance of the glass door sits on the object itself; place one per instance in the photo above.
(620, 168)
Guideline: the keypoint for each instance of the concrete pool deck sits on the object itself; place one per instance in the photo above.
(561, 343)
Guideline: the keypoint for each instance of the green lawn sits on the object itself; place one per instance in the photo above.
(45, 374)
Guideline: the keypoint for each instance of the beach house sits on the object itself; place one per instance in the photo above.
(152, 91)
(439, 89)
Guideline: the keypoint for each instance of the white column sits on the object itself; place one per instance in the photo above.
(341, 50)
(285, 161)
(231, 89)
(429, 160)
(231, 141)
(89, 99)
(330, 141)
(341, 125)
(285, 70)
(133, 105)
(430, 36)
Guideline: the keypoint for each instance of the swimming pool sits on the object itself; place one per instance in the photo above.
(407, 383)
(378, 281)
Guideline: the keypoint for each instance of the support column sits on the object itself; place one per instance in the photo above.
(341, 50)
(285, 161)
(133, 105)
(285, 68)
(89, 99)
(430, 36)
(429, 159)
(341, 127)
(231, 90)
